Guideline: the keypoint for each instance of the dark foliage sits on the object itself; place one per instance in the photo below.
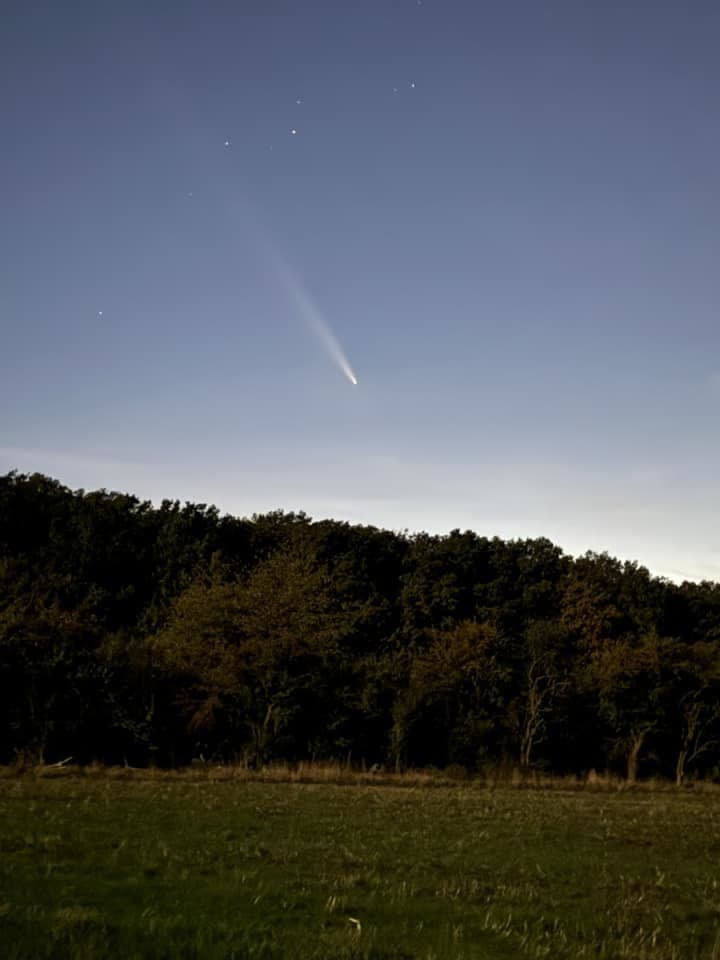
(141, 634)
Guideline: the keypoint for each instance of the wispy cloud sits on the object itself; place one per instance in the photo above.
(87, 471)
(19, 457)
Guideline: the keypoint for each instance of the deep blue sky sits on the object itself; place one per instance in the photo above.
(519, 255)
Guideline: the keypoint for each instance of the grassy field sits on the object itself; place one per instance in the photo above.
(102, 867)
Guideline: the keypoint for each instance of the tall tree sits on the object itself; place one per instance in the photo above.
(257, 654)
(455, 698)
(628, 675)
(693, 701)
(544, 679)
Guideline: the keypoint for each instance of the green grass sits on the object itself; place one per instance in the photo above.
(170, 868)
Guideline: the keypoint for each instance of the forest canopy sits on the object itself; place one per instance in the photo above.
(141, 634)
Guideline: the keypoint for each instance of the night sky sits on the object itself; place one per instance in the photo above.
(507, 215)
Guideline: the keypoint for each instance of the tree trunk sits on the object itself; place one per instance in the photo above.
(532, 719)
(680, 767)
(526, 745)
(633, 754)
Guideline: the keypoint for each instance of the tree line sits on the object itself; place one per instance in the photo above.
(144, 635)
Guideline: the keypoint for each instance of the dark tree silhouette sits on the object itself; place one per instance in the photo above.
(142, 634)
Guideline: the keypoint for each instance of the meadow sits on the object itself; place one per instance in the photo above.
(167, 866)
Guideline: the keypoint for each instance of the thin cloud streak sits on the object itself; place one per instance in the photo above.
(59, 457)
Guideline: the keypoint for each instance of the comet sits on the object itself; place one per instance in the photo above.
(314, 319)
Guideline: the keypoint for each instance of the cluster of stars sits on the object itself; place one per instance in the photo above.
(294, 131)
(298, 101)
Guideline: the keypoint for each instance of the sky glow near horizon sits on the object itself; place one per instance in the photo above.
(506, 215)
